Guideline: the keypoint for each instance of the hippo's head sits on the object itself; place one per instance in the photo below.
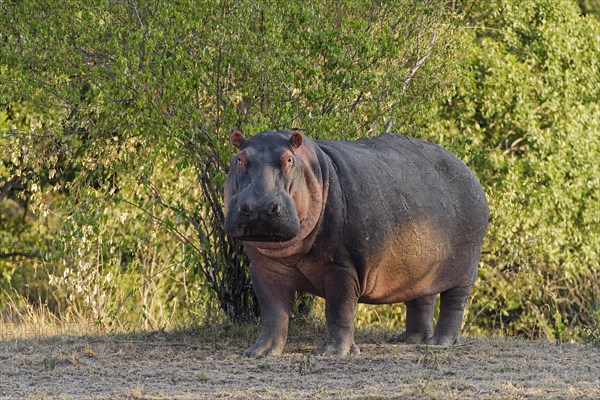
(274, 189)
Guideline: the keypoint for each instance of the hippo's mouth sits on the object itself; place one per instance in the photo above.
(264, 229)
(262, 233)
(269, 238)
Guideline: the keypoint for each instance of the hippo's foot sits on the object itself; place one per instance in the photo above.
(413, 337)
(339, 348)
(444, 340)
(264, 347)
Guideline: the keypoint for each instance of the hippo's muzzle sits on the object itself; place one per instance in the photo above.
(264, 219)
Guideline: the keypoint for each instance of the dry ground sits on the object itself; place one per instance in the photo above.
(206, 363)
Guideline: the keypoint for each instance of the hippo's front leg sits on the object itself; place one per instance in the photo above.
(275, 294)
(341, 295)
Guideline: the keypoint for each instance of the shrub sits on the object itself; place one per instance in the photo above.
(526, 117)
(115, 120)
(127, 110)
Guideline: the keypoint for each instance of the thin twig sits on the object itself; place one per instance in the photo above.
(388, 125)
(418, 64)
(158, 197)
(133, 3)
(175, 231)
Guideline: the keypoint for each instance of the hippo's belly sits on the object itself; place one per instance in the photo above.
(420, 259)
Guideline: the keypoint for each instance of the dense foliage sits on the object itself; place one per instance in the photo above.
(115, 117)
(526, 117)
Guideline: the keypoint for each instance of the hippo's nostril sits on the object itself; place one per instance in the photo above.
(273, 208)
(245, 208)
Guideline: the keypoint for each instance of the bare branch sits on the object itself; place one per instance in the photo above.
(137, 14)
(418, 64)
(193, 221)
(175, 231)
(388, 124)
(7, 187)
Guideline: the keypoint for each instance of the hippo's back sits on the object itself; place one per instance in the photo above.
(396, 170)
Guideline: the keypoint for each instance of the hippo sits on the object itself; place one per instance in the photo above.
(378, 221)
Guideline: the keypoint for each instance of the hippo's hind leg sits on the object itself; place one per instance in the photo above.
(452, 306)
(419, 320)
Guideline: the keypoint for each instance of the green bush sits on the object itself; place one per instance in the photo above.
(115, 118)
(526, 118)
(122, 146)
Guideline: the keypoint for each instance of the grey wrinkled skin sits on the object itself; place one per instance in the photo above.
(379, 221)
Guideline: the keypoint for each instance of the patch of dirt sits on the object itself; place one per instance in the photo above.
(194, 365)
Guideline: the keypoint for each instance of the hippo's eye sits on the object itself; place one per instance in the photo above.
(287, 161)
(242, 160)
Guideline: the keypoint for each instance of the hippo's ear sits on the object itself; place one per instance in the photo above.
(296, 140)
(236, 138)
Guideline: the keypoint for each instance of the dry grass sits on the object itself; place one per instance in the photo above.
(206, 363)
